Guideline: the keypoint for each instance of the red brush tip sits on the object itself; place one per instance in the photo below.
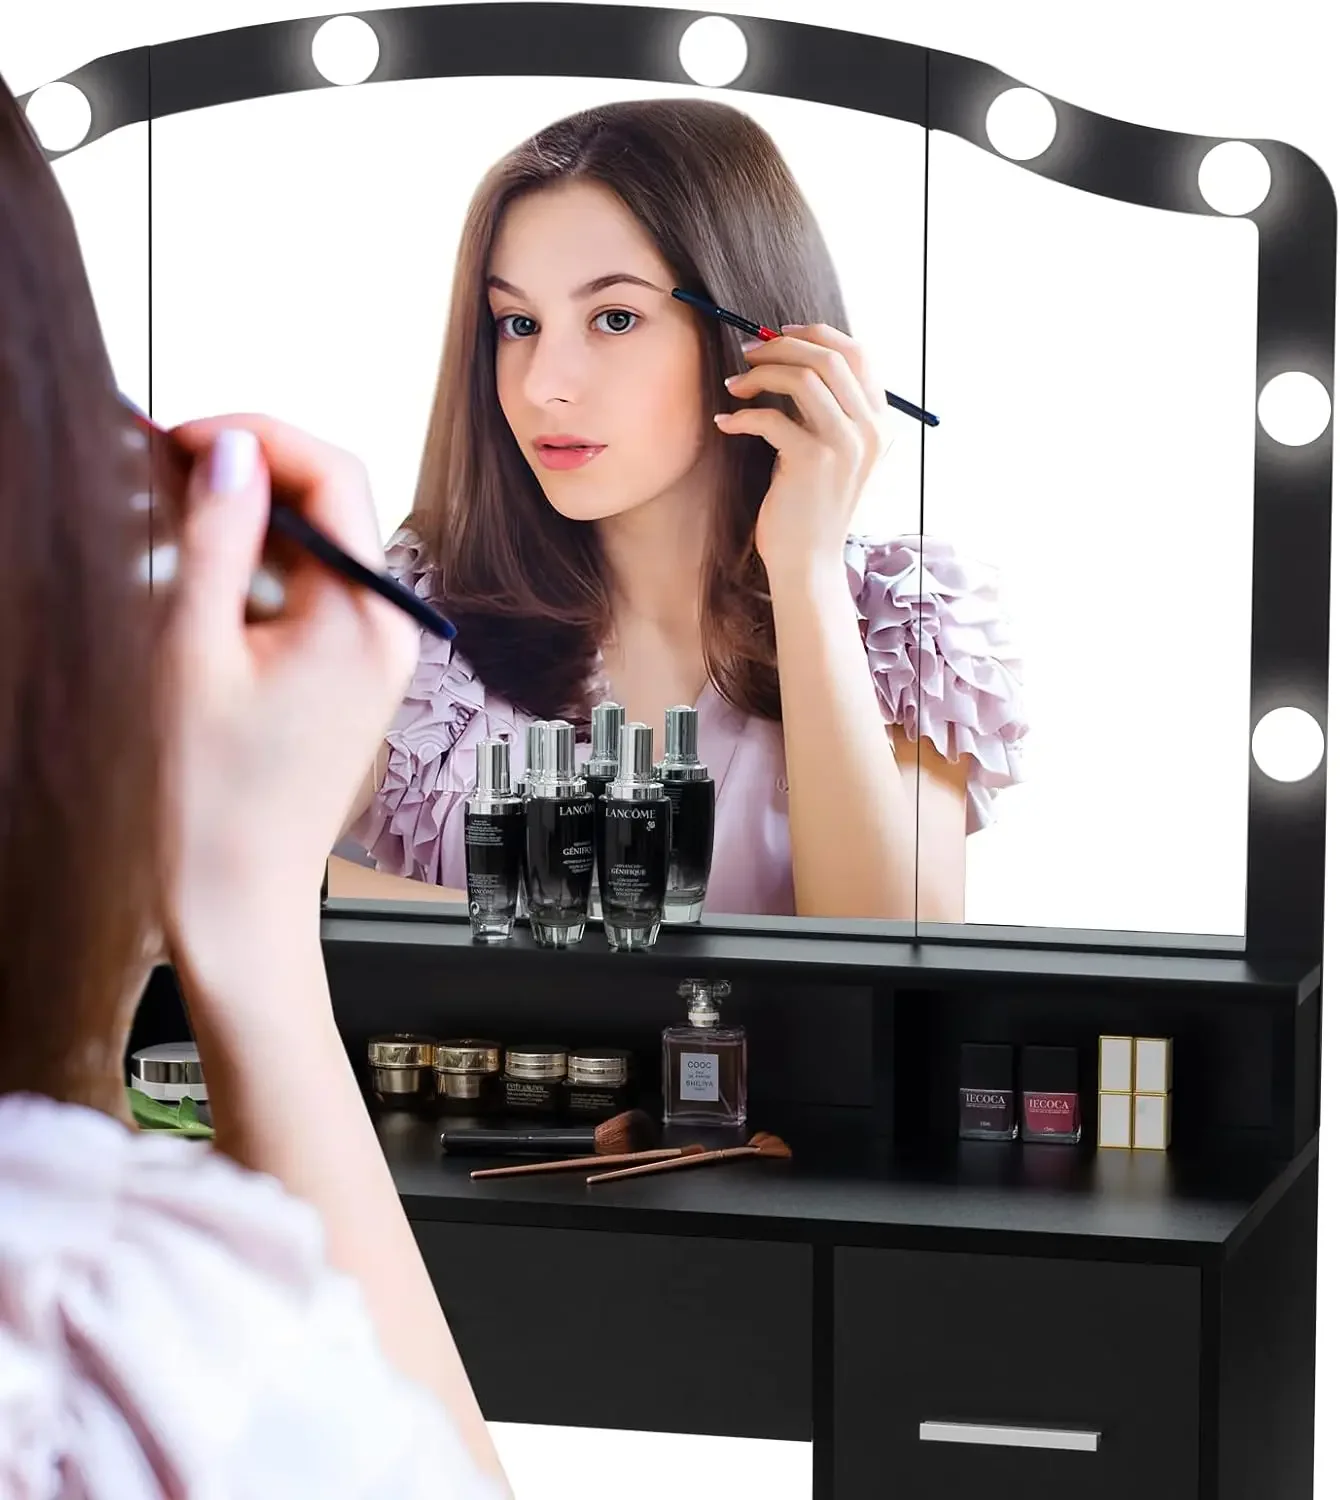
(768, 333)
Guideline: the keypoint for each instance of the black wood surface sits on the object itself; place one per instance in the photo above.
(1020, 1342)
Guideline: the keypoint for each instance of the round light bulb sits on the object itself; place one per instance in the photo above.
(713, 51)
(1021, 123)
(1294, 408)
(1234, 177)
(345, 50)
(1288, 744)
(60, 115)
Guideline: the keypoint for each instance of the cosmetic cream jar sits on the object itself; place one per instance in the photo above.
(401, 1068)
(171, 1072)
(533, 1080)
(466, 1074)
(597, 1086)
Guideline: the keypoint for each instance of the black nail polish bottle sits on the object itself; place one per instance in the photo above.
(600, 770)
(692, 794)
(495, 836)
(559, 855)
(634, 849)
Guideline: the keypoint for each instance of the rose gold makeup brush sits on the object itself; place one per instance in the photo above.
(526, 1168)
(762, 1144)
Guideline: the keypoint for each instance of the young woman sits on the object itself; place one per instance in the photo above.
(607, 515)
(176, 1320)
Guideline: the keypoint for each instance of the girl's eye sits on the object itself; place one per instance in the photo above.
(620, 320)
(516, 326)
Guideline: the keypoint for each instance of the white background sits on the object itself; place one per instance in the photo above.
(1186, 67)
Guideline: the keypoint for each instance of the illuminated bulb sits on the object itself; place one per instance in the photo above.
(345, 50)
(1021, 123)
(1294, 408)
(1234, 177)
(60, 115)
(713, 51)
(1288, 744)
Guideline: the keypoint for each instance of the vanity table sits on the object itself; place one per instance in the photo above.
(935, 1314)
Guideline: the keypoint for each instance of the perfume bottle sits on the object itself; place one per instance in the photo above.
(692, 794)
(534, 749)
(703, 1064)
(559, 855)
(600, 770)
(495, 837)
(633, 848)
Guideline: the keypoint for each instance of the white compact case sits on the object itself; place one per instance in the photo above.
(169, 1072)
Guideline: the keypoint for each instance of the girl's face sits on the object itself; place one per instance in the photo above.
(598, 367)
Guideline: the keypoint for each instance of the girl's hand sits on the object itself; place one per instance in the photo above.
(823, 460)
(269, 727)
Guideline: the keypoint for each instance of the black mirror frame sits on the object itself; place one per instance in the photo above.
(1290, 602)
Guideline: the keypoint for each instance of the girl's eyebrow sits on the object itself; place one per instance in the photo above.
(613, 278)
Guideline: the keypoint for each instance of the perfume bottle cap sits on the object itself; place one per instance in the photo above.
(606, 722)
(493, 768)
(534, 750)
(702, 995)
(681, 734)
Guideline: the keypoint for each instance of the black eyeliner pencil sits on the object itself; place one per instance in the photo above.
(761, 331)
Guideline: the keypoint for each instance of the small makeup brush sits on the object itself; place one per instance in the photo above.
(762, 331)
(630, 1131)
(528, 1168)
(771, 1146)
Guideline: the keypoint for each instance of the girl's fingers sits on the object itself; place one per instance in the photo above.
(772, 426)
(814, 399)
(842, 344)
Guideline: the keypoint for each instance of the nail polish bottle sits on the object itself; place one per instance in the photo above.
(704, 1064)
(599, 771)
(495, 836)
(559, 856)
(986, 1093)
(1049, 1094)
(633, 854)
(692, 794)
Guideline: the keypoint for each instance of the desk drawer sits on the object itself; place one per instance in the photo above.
(653, 1333)
(1001, 1376)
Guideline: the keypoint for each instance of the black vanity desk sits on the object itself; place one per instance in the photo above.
(1144, 1324)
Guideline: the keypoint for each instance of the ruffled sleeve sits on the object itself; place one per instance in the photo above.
(415, 823)
(941, 657)
(169, 1326)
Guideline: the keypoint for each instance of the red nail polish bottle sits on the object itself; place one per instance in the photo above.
(1049, 1094)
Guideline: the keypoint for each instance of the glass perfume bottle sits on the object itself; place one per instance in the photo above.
(692, 794)
(559, 856)
(600, 769)
(495, 837)
(703, 1064)
(633, 846)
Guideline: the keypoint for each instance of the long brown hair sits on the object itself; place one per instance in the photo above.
(77, 739)
(525, 584)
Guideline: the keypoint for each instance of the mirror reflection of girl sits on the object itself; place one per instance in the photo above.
(605, 518)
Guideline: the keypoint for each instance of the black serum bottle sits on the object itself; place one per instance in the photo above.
(633, 852)
(692, 794)
(495, 838)
(533, 750)
(600, 770)
(560, 856)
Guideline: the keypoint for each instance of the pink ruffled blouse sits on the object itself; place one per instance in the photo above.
(940, 659)
(169, 1327)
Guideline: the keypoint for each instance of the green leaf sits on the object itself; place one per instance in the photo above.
(187, 1113)
(154, 1114)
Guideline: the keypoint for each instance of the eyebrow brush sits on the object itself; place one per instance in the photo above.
(762, 331)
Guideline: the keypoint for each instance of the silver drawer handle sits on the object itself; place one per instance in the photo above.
(1071, 1439)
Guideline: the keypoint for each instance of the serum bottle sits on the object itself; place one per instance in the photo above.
(600, 770)
(495, 837)
(559, 856)
(633, 848)
(534, 749)
(692, 794)
(703, 1064)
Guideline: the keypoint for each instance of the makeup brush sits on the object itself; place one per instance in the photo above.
(527, 1168)
(762, 331)
(762, 1144)
(630, 1131)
